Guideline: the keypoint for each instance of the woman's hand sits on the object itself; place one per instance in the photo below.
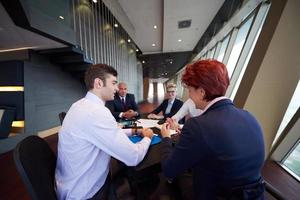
(172, 124)
(165, 130)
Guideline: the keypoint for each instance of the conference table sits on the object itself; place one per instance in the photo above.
(153, 156)
(151, 161)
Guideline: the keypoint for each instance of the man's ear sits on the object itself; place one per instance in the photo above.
(98, 83)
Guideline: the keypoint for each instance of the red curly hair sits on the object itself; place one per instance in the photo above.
(210, 75)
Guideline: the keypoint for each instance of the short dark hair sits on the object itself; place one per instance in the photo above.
(100, 71)
(210, 75)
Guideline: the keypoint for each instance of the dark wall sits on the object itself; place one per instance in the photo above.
(11, 74)
(48, 90)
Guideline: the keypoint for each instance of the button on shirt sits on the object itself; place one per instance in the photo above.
(88, 138)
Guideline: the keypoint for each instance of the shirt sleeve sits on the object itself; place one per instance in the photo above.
(182, 112)
(107, 136)
(175, 161)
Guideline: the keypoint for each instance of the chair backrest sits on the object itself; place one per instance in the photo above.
(61, 117)
(35, 162)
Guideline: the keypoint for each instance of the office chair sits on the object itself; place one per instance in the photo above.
(36, 163)
(61, 117)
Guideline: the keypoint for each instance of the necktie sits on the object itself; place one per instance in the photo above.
(123, 104)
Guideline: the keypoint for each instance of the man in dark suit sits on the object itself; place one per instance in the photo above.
(224, 146)
(123, 106)
(169, 106)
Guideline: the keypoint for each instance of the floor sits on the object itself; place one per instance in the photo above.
(12, 187)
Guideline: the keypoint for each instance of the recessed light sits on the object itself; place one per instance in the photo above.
(179, 40)
(143, 62)
(95, 1)
(137, 50)
(153, 45)
(128, 40)
(155, 27)
(61, 17)
(116, 25)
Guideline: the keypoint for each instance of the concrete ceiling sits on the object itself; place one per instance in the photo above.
(165, 14)
(14, 37)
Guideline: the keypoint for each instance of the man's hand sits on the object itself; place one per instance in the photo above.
(129, 114)
(165, 130)
(147, 132)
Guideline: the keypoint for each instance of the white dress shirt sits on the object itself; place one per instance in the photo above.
(188, 107)
(88, 138)
(169, 107)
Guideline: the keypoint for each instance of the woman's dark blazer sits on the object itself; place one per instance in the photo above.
(163, 106)
(224, 147)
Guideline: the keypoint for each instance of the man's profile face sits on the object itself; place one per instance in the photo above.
(122, 89)
(110, 88)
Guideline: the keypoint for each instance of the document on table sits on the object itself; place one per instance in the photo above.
(149, 123)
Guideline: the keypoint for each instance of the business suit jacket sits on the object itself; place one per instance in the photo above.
(163, 106)
(224, 147)
(115, 106)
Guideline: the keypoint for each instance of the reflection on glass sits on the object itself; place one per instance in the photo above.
(238, 46)
(292, 161)
(291, 110)
(223, 49)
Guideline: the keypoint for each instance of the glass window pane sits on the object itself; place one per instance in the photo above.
(238, 45)
(223, 49)
(160, 92)
(292, 161)
(291, 110)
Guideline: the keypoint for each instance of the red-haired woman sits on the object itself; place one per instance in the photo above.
(224, 146)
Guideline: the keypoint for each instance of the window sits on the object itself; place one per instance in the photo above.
(292, 161)
(223, 49)
(150, 92)
(291, 110)
(238, 45)
(160, 92)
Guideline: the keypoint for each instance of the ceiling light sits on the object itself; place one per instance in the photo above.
(95, 1)
(155, 27)
(128, 40)
(61, 17)
(137, 50)
(179, 40)
(116, 25)
(143, 62)
(153, 45)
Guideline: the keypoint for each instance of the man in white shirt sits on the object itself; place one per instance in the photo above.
(90, 136)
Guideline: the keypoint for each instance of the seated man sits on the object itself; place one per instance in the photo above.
(123, 106)
(90, 136)
(169, 106)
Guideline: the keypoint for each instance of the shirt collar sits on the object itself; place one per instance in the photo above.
(171, 101)
(123, 97)
(213, 102)
(91, 96)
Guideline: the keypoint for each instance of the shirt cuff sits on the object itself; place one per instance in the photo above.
(127, 131)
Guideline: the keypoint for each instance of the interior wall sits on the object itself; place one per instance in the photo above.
(278, 69)
(48, 91)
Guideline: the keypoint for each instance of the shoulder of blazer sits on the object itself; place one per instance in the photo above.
(221, 103)
(178, 101)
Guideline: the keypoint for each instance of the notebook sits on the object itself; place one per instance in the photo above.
(155, 139)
